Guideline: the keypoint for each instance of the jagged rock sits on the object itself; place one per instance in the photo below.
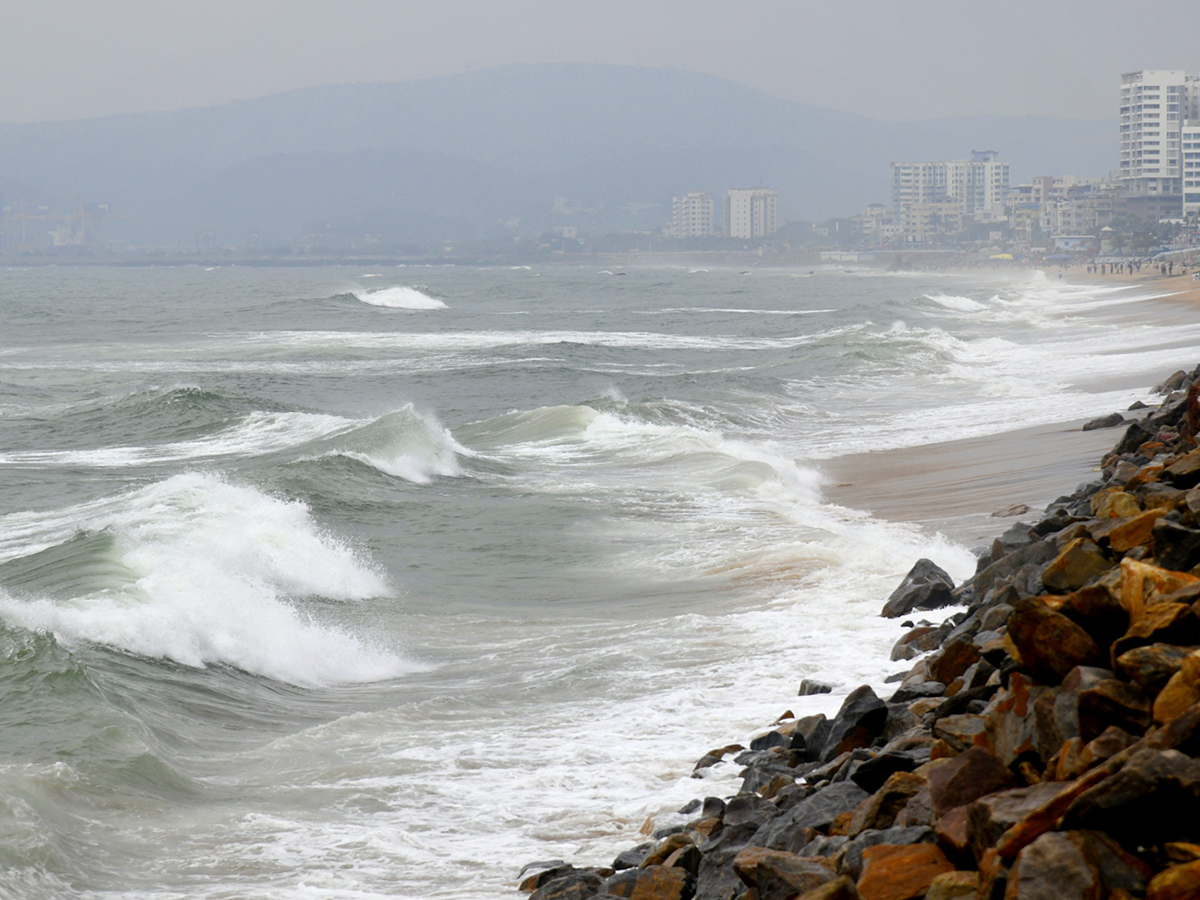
(547, 871)
(993, 814)
(651, 883)
(777, 875)
(860, 720)
(1037, 553)
(956, 657)
(1165, 623)
(841, 888)
(1044, 815)
(1073, 866)
(917, 691)
(687, 858)
(810, 686)
(824, 846)
(632, 858)
(879, 811)
(1154, 798)
(577, 885)
(715, 879)
(1152, 665)
(818, 811)
(1176, 546)
(748, 808)
(1179, 694)
(1095, 609)
(926, 586)
(960, 731)
(1112, 420)
(666, 847)
(1176, 883)
(1185, 471)
(1049, 644)
(852, 851)
(873, 773)
(1106, 745)
(1114, 503)
(1113, 702)
(966, 778)
(953, 886)
(900, 872)
(1126, 533)
(1078, 563)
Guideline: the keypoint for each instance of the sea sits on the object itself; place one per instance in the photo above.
(364, 582)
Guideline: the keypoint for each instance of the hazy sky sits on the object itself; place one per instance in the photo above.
(892, 59)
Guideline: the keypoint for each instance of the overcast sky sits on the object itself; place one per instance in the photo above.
(891, 59)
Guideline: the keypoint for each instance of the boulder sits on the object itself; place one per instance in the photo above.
(666, 848)
(841, 888)
(955, 658)
(960, 731)
(577, 885)
(1166, 623)
(966, 778)
(653, 883)
(1185, 471)
(1176, 546)
(715, 878)
(872, 774)
(818, 812)
(901, 872)
(859, 721)
(1078, 563)
(810, 686)
(1074, 865)
(1176, 883)
(852, 850)
(1095, 609)
(777, 875)
(1048, 643)
(1154, 798)
(1177, 696)
(879, 811)
(953, 886)
(1152, 665)
(1113, 702)
(993, 814)
(926, 586)
(1127, 532)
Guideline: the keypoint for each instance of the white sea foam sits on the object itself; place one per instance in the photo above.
(213, 566)
(405, 444)
(400, 297)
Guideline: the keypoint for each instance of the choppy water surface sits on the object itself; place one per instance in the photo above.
(336, 583)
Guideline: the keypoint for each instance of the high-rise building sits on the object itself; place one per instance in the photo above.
(692, 215)
(979, 185)
(1154, 105)
(751, 212)
(1189, 139)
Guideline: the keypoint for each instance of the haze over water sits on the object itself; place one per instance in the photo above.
(331, 582)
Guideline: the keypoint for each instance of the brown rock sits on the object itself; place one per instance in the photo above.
(956, 657)
(687, 858)
(1175, 698)
(1152, 665)
(1167, 623)
(841, 888)
(1048, 643)
(1126, 533)
(1113, 702)
(879, 811)
(900, 872)
(1080, 562)
(951, 833)
(953, 885)
(1178, 851)
(654, 883)
(1142, 583)
(1185, 471)
(777, 875)
(1044, 816)
(966, 778)
(668, 846)
(1095, 609)
(992, 815)
(961, 731)
(1013, 728)
(1154, 798)
(1055, 867)
(1111, 504)
(1108, 744)
(579, 885)
(1176, 883)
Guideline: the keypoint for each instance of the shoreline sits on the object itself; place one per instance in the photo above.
(1044, 743)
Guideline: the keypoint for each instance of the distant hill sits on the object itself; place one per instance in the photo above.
(450, 157)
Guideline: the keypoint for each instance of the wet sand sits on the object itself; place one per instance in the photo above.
(955, 487)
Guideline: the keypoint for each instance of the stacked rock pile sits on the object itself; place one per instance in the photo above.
(1044, 745)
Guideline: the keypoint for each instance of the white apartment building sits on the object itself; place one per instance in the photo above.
(979, 185)
(692, 215)
(1154, 105)
(751, 212)
(1190, 142)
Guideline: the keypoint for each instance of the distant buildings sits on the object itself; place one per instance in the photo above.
(1190, 140)
(1154, 105)
(692, 215)
(751, 212)
(978, 186)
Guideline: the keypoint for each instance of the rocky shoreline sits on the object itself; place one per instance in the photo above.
(1045, 745)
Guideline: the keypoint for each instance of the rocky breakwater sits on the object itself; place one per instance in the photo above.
(1044, 745)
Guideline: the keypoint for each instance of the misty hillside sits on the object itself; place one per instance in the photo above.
(460, 156)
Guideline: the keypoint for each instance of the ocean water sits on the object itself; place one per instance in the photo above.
(345, 583)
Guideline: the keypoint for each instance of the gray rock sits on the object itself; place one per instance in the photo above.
(926, 586)
(817, 811)
(810, 686)
(852, 855)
